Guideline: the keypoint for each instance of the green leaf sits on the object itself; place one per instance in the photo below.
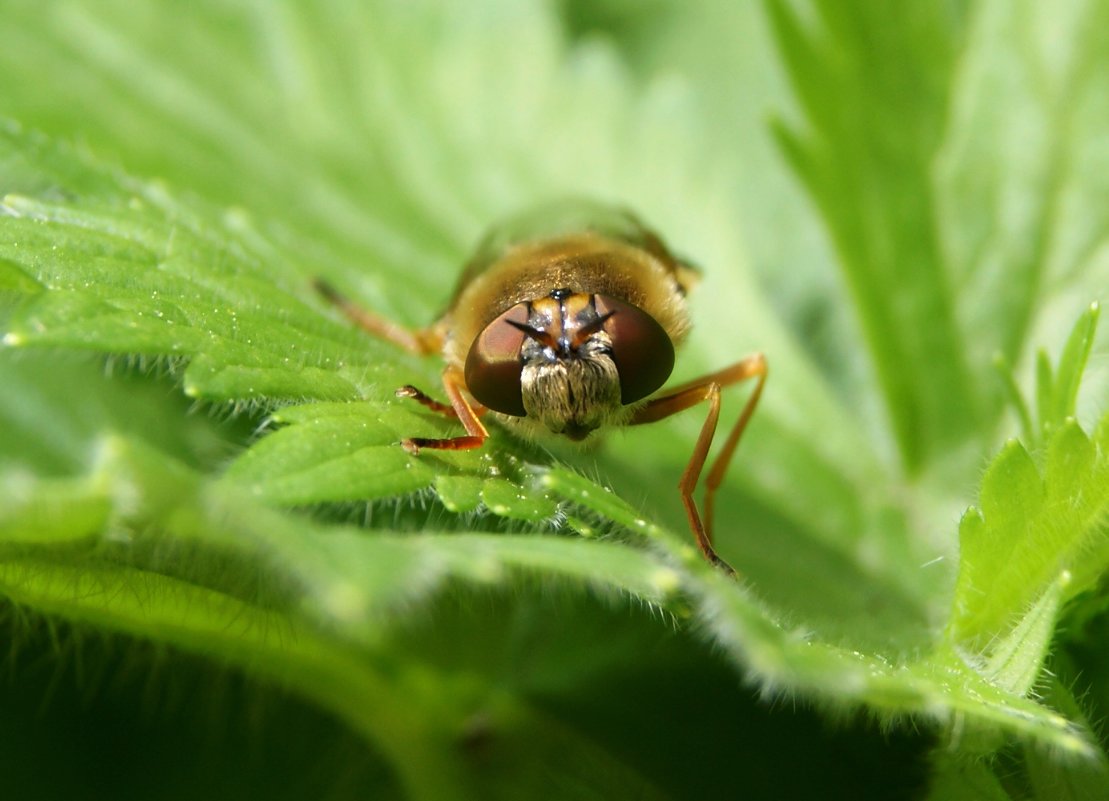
(1030, 773)
(333, 452)
(864, 151)
(130, 271)
(1015, 661)
(1056, 394)
(1058, 397)
(1051, 778)
(58, 510)
(227, 157)
(941, 684)
(965, 780)
(1034, 531)
(1021, 176)
(329, 587)
(52, 405)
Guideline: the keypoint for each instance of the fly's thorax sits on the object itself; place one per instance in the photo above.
(590, 263)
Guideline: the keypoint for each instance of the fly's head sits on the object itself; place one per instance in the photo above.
(570, 361)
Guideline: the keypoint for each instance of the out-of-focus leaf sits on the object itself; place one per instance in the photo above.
(864, 152)
(1021, 179)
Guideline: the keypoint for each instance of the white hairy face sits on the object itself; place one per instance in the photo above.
(571, 393)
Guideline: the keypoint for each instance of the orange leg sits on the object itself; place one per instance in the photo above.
(707, 388)
(460, 407)
(420, 342)
(422, 398)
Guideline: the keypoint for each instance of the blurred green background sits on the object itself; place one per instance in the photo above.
(223, 584)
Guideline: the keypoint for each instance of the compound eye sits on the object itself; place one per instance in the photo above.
(493, 364)
(641, 348)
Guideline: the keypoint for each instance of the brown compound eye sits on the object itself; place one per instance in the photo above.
(493, 364)
(641, 348)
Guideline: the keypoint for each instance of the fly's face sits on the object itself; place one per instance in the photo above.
(571, 361)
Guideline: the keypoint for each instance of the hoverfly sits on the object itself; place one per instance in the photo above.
(566, 320)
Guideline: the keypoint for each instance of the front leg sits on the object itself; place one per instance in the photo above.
(425, 400)
(459, 407)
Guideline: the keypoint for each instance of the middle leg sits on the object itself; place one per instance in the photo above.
(707, 388)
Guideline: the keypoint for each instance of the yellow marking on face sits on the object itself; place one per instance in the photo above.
(563, 316)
